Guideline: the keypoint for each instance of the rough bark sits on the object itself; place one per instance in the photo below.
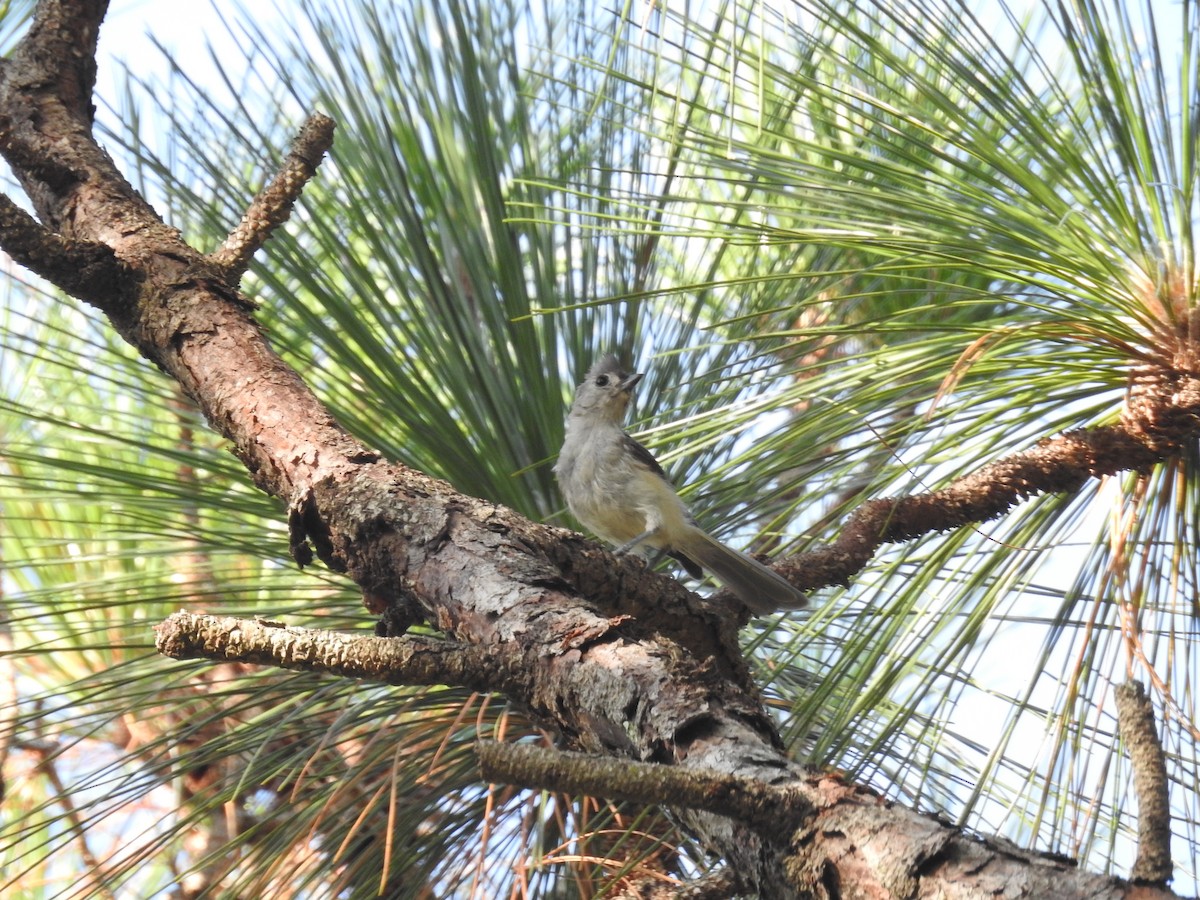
(1135, 721)
(619, 661)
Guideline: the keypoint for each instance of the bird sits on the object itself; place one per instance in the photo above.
(618, 490)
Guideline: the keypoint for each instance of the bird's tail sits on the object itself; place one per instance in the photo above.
(758, 587)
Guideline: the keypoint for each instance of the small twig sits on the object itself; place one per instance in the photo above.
(394, 660)
(96, 870)
(273, 205)
(771, 810)
(9, 711)
(1135, 723)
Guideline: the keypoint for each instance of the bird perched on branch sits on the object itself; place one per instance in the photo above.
(616, 487)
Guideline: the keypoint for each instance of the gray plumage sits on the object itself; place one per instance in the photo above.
(616, 487)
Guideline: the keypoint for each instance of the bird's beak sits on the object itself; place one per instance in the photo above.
(629, 382)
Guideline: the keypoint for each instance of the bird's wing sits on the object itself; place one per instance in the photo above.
(645, 457)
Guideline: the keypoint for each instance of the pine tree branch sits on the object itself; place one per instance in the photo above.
(408, 660)
(1060, 464)
(760, 806)
(88, 270)
(273, 204)
(1135, 723)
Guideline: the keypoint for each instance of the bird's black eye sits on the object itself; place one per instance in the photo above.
(601, 381)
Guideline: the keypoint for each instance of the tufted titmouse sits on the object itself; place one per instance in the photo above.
(616, 488)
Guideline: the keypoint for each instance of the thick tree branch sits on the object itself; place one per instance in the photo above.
(85, 269)
(849, 841)
(46, 106)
